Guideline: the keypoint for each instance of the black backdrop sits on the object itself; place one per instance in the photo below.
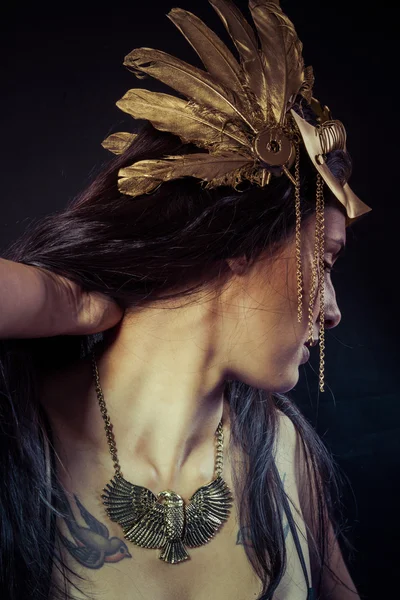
(61, 75)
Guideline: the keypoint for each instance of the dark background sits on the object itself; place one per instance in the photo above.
(61, 74)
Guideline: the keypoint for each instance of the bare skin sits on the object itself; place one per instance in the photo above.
(162, 374)
(37, 302)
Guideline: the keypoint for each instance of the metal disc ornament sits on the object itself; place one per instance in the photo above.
(274, 147)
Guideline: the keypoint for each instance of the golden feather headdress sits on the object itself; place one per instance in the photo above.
(242, 114)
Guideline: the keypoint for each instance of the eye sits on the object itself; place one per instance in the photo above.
(328, 267)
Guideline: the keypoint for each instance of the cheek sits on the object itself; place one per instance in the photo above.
(288, 355)
(282, 371)
(270, 340)
(270, 355)
(282, 357)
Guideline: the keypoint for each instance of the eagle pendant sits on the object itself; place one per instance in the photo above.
(165, 522)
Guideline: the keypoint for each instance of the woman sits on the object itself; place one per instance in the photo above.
(198, 291)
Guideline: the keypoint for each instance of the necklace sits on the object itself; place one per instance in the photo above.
(164, 521)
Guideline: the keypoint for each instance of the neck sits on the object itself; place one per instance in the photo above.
(162, 381)
(165, 417)
(162, 374)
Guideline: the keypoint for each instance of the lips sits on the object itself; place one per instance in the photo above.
(306, 353)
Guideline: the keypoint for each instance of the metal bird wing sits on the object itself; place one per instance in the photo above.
(149, 531)
(137, 510)
(206, 512)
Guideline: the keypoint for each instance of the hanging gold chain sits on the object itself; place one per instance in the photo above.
(299, 275)
(318, 273)
(314, 272)
(219, 462)
(321, 227)
(107, 423)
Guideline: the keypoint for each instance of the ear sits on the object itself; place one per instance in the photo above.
(238, 265)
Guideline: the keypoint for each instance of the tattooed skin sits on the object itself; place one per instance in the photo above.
(243, 536)
(91, 545)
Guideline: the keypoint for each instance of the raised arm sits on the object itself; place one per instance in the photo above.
(35, 302)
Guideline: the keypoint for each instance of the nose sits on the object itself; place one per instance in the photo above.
(333, 315)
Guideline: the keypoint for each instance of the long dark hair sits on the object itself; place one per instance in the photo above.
(135, 250)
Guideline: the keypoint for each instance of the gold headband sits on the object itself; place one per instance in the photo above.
(242, 114)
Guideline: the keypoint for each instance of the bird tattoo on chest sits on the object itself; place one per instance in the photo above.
(91, 545)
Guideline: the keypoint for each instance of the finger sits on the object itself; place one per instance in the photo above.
(98, 313)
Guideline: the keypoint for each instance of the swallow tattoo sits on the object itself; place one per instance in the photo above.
(92, 547)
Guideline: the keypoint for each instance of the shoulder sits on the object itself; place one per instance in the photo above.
(304, 483)
(296, 468)
(293, 452)
(286, 427)
(287, 444)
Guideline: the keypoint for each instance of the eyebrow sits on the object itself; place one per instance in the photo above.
(340, 242)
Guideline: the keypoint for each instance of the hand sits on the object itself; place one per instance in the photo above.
(74, 311)
(36, 302)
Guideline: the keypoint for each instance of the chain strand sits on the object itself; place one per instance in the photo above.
(107, 423)
(219, 462)
(299, 275)
(313, 290)
(321, 225)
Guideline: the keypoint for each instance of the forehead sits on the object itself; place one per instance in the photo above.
(335, 222)
(334, 225)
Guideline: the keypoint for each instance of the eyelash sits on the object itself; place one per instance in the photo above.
(331, 268)
(328, 266)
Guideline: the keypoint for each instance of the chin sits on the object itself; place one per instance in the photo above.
(282, 389)
(289, 377)
(285, 382)
(277, 378)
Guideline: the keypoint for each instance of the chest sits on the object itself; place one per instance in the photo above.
(109, 567)
(113, 568)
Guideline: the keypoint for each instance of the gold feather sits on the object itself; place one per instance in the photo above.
(203, 166)
(205, 128)
(282, 52)
(190, 81)
(246, 44)
(118, 142)
(216, 57)
(229, 106)
(240, 112)
(308, 84)
(136, 186)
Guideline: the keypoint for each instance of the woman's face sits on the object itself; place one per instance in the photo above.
(267, 345)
